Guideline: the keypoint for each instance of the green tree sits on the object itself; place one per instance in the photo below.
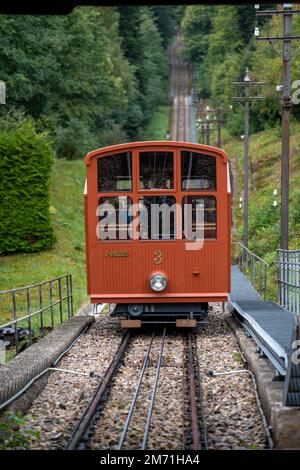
(87, 76)
(196, 28)
(26, 159)
(167, 19)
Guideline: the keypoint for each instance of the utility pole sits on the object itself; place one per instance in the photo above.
(285, 150)
(208, 122)
(246, 157)
(203, 132)
(286, 104)
(217, 120)
(245, 101)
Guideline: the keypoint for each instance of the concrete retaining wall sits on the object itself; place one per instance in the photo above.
(38, 357)
(284, 421)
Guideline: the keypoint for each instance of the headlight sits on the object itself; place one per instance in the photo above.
(158, 282)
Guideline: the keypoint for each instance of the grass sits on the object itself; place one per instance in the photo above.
(158, 126)
(264, 217)
(68, 254)
(238, 357)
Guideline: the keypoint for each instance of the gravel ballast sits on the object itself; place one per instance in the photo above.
(65, 396)
(25, 366)
(232, 416)
(165, 433)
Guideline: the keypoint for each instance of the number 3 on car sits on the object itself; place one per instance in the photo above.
(158, 257)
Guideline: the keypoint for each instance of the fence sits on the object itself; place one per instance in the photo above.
(29, 312)
(250, 263)
(288, 279)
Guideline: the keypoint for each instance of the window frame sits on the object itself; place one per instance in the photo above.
(172, 150)
(111, 155)
(160, 239)
(109, 195)
(203, 190)
(216, 212)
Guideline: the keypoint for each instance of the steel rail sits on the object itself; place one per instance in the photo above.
(201, 415)
(89, 412)
(193, 403)
(199, 434)
(150, 410)
(137, 389)
(136, 393)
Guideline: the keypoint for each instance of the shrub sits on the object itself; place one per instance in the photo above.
(112, 136)
(26, 159)
(14, 435)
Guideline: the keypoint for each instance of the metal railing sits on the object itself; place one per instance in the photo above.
(288, 280)
(256, 267)
(32, 311)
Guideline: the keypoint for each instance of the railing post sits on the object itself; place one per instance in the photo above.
(285, 280)
(297, 284)
(71, 292)
(68, 296)
(265, 282)
(29, 314)
(288, 280)
(245, 259)
(41, 309)
(240, 264)
(292, 282)
(16, 320)
(279, 277)
(252, 270)
(260, 279)
(51, 304)
(60, 301)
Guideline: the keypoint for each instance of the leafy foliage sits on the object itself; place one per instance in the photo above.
(220, 41)
(167, 18)
(197, 26)
(143, 47)
(14, 435)
(26, 159)
(84, 75)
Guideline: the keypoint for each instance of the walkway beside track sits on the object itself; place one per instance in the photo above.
(271, 326)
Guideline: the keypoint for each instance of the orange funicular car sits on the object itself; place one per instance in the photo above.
(157, 225)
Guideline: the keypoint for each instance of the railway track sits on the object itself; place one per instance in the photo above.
(148, 416)
(180, 112)
(92, 411)
(144, 398)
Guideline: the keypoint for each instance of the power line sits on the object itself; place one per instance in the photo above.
(245, 99)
